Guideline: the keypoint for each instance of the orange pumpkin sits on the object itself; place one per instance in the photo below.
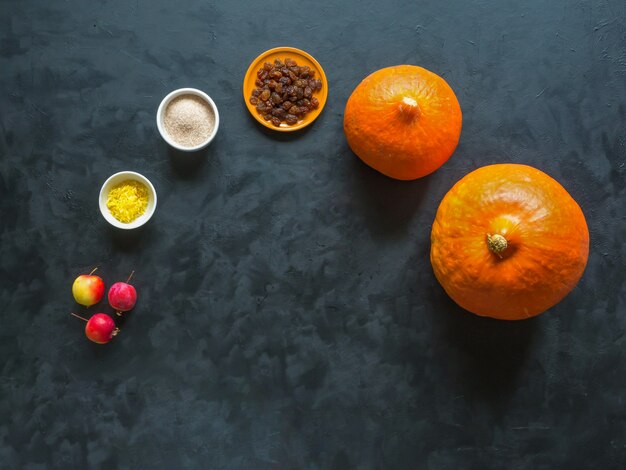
(403, 121)
(508, 242)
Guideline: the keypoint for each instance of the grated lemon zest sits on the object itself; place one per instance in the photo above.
(128, 200)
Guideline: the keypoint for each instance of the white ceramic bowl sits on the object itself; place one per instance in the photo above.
(116, 179)
(163, 107)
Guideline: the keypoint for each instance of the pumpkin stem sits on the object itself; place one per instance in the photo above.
(497, 243)
(409, 108)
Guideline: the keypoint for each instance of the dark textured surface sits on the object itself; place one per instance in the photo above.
(288, 316)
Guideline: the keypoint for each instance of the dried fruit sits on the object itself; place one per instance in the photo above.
(280, 113)
(284, 91)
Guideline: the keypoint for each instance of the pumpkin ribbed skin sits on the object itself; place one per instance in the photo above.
(403, 121)
(542, 227)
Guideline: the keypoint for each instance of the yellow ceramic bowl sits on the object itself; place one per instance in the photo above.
(302, 58)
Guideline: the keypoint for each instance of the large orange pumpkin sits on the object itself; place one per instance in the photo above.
(403, 121)
(508, 242)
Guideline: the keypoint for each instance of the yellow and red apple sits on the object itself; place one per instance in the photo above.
(88, 289)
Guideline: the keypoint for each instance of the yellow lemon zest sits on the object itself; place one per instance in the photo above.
(128, 200)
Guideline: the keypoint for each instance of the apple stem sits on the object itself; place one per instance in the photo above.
(118, 313)
(78, 316)
(94, 270)
(131, 275)
(115, 332)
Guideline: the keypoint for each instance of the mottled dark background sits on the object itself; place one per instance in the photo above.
(288, 316)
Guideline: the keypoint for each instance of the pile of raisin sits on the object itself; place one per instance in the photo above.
(284, 91)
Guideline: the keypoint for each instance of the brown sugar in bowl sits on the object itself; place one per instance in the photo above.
(200, 114)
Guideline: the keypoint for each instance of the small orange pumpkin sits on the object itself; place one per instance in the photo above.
(403, 121)
(508, 242)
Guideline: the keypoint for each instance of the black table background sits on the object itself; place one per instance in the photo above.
(288, 316)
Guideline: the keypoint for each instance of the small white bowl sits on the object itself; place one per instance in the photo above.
(163, 107)
(116, 179)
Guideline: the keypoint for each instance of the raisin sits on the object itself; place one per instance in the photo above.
(285, 91)
(280, 113)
